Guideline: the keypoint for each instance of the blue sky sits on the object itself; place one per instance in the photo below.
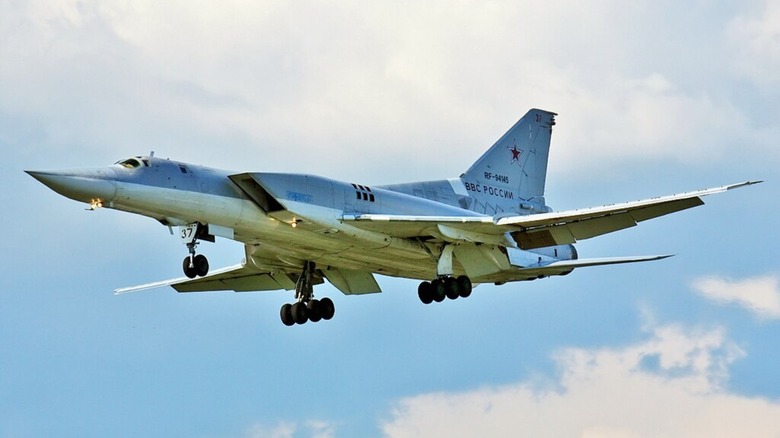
(653, 98)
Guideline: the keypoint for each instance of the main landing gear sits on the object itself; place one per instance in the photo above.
(442, 287)
(445, 285)
(306, 308)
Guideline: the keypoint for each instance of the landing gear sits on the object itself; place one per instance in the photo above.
(194, 265)
(445, 285)
(440, 288)
(286, 314)
(306, 308)
(197, 266)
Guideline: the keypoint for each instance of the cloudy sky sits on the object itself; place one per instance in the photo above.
(653, 98)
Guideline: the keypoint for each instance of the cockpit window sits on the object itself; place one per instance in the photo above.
(130, 163)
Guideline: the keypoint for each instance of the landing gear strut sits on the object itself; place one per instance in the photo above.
(194, 265)
(444, 287)
(445, 284)
(306, 308)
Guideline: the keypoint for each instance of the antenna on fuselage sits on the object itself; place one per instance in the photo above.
(151, 154)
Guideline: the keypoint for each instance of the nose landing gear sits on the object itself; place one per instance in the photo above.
(194, 265)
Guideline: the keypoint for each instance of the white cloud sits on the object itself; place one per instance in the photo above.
(760, 295)
(311, 428)
(268, 79)
(671, 384)
(755, 40)
(321, 429)
(281, 430)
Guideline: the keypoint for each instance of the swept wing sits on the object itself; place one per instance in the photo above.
(245, 277)
(237, 278)
(537, 230)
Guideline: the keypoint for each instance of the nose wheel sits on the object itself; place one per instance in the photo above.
(194, 265)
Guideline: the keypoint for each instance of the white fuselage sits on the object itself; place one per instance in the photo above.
(178, 194)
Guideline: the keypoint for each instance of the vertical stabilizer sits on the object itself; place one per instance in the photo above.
(510, 176)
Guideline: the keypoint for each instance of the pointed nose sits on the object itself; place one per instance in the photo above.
(81, 185)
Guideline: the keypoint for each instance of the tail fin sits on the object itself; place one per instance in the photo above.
(510, 176)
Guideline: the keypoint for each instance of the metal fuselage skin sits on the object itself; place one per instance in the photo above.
(178, 194)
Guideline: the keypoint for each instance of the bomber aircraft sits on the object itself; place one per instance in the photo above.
(489, 225)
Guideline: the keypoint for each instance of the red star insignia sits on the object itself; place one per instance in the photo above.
(515, 152)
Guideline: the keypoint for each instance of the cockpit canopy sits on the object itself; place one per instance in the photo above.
(133, 162)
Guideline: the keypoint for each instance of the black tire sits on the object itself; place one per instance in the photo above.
(298, 312)
(188, 271)
(451, 288)
(327, 308)
(439, 291)
(425, 292)
(286, 315)
(314, 310)
(464, 284)
(201, 265)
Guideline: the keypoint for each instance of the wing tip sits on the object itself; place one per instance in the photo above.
(143, 287)
(744, 184)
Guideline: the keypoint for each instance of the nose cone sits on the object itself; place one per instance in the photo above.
(82, 185)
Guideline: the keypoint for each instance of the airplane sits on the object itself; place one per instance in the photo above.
(491, 224)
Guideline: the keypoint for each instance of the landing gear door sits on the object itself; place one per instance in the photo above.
(188, 233)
